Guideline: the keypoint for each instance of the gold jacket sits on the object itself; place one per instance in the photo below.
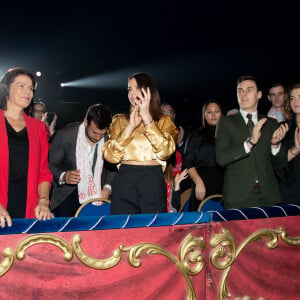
(154, 142)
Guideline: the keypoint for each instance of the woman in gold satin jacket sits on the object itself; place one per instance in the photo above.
(140, 143)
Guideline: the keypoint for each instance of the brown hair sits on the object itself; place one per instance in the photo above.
(144, 80)
(169, 174)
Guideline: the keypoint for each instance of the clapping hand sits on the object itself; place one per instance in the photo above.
(52, 125)
(135, 118)
(279, 134)
(297, 140)
(143, 102)
(256, 132)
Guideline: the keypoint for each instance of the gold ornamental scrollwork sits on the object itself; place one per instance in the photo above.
(100, 264)
(44, 239)
(222, 259)
(188, 250)
(8, 260)
(189, 253)
(190, 260)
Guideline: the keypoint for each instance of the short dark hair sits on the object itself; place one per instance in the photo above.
(145, 80)
(100, 115)
(248, 77)
(275, 84)
(9, 77)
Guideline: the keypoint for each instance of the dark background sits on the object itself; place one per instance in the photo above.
(195, 50)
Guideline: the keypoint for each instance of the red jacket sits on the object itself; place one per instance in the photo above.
(38, 169)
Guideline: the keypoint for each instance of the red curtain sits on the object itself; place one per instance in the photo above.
(257, 272)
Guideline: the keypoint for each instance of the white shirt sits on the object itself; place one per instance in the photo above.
(254, 120)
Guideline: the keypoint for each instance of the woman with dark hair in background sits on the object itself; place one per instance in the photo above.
(140, 142)
(200, 159)
(24, 173)
(289, 179)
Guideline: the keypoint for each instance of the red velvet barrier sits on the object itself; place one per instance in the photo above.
(257, 272)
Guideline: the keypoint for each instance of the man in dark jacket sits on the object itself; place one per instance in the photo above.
(248, 145)
(76, 162)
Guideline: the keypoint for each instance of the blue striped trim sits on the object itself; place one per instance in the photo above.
(31, 226)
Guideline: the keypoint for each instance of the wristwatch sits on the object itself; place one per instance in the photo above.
(248, 140)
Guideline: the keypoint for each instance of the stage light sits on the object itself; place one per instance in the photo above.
(115, 79)
(38, 73)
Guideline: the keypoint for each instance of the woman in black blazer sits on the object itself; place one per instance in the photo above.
(289, 177)
(200, 158)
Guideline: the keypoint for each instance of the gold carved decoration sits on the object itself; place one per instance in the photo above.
(222, 259)
(187, 250)
(8, 260)
(44, 238)
(189, 262)
(100, 264)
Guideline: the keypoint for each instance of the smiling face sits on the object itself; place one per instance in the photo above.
(20, 91)
(212, 114)
(133, 91)
(295, 100)
(248, 95)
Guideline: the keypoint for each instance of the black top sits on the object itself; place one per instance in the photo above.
(18, 146)
(200, 153)
(289, 179)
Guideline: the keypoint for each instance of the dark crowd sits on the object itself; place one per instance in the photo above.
(144, 161)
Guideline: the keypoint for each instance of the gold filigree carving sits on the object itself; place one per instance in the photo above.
(288, 240)
(8, 260)
(44, 238)
(188, 254)
(100, 264)
(189, 249)
(221, 259)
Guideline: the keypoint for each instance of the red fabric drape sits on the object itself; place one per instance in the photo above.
(258, 271)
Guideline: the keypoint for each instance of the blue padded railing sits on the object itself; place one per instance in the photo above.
(146, 220)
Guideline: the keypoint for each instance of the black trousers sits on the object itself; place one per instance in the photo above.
(139, 189)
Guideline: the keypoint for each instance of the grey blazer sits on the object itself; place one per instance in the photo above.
(62, 157)
(242, 169)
